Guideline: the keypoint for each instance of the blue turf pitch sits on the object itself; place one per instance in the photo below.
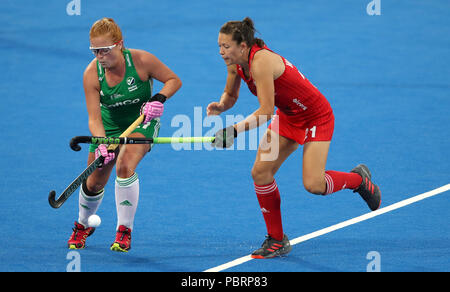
(387, 78)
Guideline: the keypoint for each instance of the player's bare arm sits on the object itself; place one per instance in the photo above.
(151, 67)
(229, 95)
(262, 70)
(92, 95)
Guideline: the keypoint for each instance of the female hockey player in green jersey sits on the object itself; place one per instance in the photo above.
(118, 89)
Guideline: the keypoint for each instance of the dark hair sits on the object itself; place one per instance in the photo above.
(242, 31)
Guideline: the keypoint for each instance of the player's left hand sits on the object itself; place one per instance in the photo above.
(102, 150)
(225, 137)
(151, 110)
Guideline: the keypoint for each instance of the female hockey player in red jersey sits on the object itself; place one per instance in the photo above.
(303, 117)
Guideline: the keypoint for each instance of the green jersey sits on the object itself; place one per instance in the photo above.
(120, 105)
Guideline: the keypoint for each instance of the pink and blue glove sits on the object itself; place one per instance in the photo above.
(153, 108)
(102, 150)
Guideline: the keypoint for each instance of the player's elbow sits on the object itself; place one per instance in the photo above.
(176, 83)
(179, 83)
(229, 99)
(266, 112)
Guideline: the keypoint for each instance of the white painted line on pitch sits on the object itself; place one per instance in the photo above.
(341, 225)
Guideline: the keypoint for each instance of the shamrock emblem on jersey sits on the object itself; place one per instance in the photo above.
(130, 81)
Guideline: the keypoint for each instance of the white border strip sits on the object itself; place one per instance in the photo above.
(341, 225)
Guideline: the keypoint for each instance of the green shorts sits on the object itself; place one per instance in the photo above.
(149, 130)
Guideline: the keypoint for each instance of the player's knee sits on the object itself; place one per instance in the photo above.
(314, 186)
(92, 188)
(124, 169)
(262, 176)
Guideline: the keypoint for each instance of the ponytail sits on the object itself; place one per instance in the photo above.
(242, 31)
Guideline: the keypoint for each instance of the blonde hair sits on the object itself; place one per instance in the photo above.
(106, 26)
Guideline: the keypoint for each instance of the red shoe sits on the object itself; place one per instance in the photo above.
(78, 238)
(123, 239)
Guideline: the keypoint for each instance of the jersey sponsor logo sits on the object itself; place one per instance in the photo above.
(122, 103)
(297, 102)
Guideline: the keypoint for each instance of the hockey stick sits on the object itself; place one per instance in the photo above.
(56, 203)
(125, 140)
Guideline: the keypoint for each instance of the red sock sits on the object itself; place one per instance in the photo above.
(337, 181)
(270, 202)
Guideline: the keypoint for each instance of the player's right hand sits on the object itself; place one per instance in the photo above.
(214, 109)
(151, 110)
(102, 150)
(225, 137)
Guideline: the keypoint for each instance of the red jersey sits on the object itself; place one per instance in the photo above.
(295, 96)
